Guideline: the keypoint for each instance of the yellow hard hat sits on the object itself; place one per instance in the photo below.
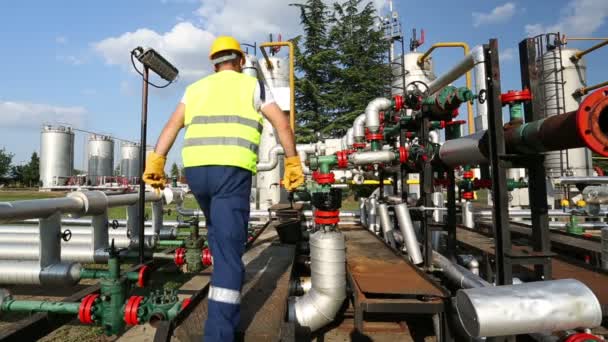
(225, 43)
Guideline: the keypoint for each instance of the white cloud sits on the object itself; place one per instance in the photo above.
(24, 114)
(500, 14)
(507, 55)
(70, 59)
(62, 40)
(578, 17)
(187, 44)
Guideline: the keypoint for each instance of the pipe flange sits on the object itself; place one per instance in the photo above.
(514, 96)
(582, 337)
(398, 99)
(131, 308)
(185, 303)
(592, 119)
(85, 310)
(180, 256)
(403, 154)
(206, 257)
(95, 202)
(143, 276)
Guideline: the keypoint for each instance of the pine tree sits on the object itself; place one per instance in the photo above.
(315, 63)
(363, 73)
(174, 171)
(6, 158)
(31, 172)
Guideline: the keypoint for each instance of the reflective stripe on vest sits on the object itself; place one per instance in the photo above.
(222, 125)
(223, 295)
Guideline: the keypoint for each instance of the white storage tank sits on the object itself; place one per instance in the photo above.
(129, 161)
(558, 88)
(56, 155)
(100, 158)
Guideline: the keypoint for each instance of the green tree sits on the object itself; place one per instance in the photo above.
(17, 173)
(361, 49)
(31, 171)
(315, 63)
(174, 171)
(6, 158)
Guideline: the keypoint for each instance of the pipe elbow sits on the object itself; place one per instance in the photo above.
(359, 127)
(372, 113)
(273, 159)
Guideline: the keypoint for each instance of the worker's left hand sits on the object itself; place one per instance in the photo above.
(154, 175)
(294, 176)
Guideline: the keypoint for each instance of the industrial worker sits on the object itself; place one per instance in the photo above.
(223, 127)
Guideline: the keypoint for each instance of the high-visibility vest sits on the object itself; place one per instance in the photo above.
(222, 125)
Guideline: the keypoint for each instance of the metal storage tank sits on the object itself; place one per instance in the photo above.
(558, 88)
(129, 160)
(56, 155)
(101, 158)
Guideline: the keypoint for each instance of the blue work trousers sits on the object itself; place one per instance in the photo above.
(223, 194)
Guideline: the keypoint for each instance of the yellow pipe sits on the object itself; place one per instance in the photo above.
(469, 82)
(585, 38)
(292, 87)
(580, 54)
(386, 182)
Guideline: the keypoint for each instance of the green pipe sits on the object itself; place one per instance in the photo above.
(573, 228)
(12, 305)
(516, 111)
(87, 273)
(375, 146)
(132, 276)
(170, 243)
(391, 131)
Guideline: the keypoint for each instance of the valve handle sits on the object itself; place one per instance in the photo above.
(114, 224)
(66, 235)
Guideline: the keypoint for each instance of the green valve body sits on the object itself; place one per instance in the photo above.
(573, 227)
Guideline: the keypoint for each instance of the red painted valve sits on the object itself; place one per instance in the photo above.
(206, 257)
(323, 178)
(186, 302)
(403, 154)
(327, 217)
(398, 102)
(85, 309)
(180, 256)
(359, 145)
(469, 195)
(582, 337)
(144, 276)
(342, 159)
(131, 309)
(468, 175)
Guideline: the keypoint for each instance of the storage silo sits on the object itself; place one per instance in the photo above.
(560, 79)
(100, 158)
(56, 155)
(129, 160)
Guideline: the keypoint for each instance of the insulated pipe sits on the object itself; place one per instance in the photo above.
(542, 306)
(385, 222)
(292, 87)
(480, 86)
(582, 180)
(465, 48)
(409, 234)
(372, 113)
(350, 138)
(29, 272)
(457, 274)
(585, 127)
(167, 233)
(372, 157)
(526, 213)
(359, 128)
(320, 305)
(458, 70)
(120, 241)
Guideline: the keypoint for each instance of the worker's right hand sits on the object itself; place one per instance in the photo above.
(294, 176)
(154, 175)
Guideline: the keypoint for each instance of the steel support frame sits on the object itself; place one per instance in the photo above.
(426, 189)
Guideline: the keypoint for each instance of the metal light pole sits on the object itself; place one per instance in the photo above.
(150, 59)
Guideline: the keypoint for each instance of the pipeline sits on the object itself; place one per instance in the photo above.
(320, 305)
(408, 233)
(372, 113)
(273, 155)
(458, 275)
(359, 128)
(582, 128)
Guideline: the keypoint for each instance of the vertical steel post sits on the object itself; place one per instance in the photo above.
(500, 209)
(530, 79)
(426, 189)
(142, 163)
(451, 219)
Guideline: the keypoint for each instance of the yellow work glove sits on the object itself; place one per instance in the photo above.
(154, 175)
(294, 176)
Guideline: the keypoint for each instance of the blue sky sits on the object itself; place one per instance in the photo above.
(67, 61)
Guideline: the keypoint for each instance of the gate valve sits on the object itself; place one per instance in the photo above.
(180, 256)
(514, 96)
(206, 257)
(87, 308)
(342, 157)
(323, 178)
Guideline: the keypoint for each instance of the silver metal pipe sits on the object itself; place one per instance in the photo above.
(320, 305)
(273, 159)
(458, 275)
(372, 113)
(76, 230)
(350, 138)
(481, 121)
(467, 150)
(582, 180)
(372, 215)
(26, 272)
(359, 127)
(120, 241)
(363, 211)
(30, 251)
(543, 306)
(457, 71)
(468, 216)
(371, 157)
(385, 222)
(526, 213)
(409, 234)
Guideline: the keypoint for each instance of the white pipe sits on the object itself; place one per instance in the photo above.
(320, 305)
(457, 71)
(350, 138)
(480, 85)
(408, 232)
(273, 159)
(359, 128)
(371, 157)
(372, 113)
